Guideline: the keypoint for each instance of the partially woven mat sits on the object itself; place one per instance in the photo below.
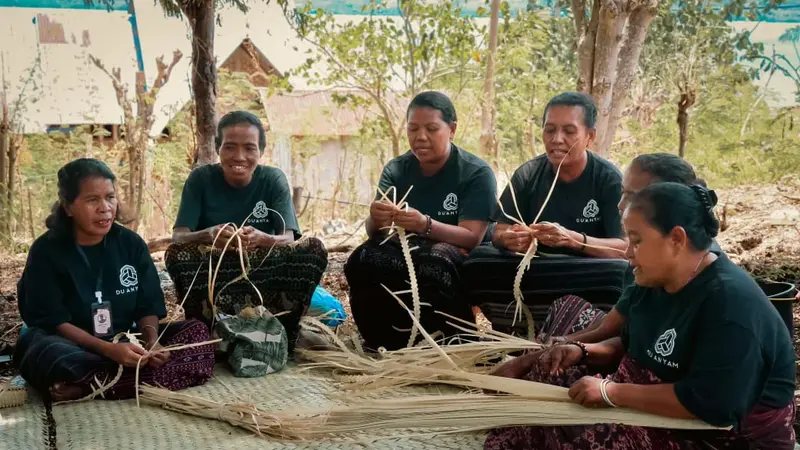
(101, 424)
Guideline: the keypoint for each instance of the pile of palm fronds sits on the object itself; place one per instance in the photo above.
(447, 362)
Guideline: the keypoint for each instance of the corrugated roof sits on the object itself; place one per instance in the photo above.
(46, 68)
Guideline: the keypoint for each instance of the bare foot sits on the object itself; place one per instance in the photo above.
(64, 392)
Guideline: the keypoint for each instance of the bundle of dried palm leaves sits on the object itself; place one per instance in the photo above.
(474, 352)
(444, 413)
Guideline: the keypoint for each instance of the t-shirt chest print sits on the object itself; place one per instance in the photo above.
(128, 280)
(590, 213)
(449, 206)
(260, 214)
(662, 349)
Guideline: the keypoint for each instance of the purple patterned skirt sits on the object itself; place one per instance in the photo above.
(764, 428)
(45, 359)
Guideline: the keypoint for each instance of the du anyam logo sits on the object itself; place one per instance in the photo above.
(591, 213)
(663, 348)
(129, 279)
(450, 205)
(260, 213)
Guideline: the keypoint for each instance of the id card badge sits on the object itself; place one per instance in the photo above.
(101, 317)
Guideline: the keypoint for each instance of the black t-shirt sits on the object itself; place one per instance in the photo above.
(208, 200)
(59, 281)
(719, 339)
(464, 189)
(587, 204)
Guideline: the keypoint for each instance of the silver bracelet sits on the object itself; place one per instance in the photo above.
(604, 394)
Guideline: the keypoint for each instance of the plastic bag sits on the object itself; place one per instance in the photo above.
(323, 302)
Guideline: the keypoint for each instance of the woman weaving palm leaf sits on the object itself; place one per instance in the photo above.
(453, 196)
(239, 190)
(700, 340)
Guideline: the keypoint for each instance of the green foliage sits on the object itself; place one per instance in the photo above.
(381, 62)
(535, 61)
(764, 155)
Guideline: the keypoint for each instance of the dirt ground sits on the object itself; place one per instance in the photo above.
(761, 232)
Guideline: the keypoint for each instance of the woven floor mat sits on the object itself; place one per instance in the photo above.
(24, 427)
(115, 425)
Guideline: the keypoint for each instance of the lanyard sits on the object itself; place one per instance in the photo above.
(98, 290)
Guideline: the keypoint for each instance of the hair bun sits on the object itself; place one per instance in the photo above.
(707, 197)
(708, 200)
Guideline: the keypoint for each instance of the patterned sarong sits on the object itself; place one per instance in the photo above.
(45, 359)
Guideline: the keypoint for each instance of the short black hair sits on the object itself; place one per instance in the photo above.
(572, 98)
(437, 101)
(666, 167)
(669, 205)
(70, 178)
(234, 118)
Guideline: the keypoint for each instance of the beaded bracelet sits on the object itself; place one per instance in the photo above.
(427, 226)
(582, 346)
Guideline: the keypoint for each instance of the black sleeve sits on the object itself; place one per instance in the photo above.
(281, 201)
(479, 196)
(191, 202)
(725, 378)
(520, 183)
(623, 305)
(150, 299)
(387, 180)
(42, 302)
(612, 193)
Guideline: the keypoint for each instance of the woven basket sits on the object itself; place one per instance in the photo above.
(12, 395)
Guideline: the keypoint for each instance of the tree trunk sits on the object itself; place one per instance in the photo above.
(587, 36)
(14, 144)
(686, 101)
(683, 127)
(488, 140)
(632, 46)
(395, 145)
(204, 76)
(610, 30)
(606, 66)
(5, 137)
(31, 225)
(140, 185)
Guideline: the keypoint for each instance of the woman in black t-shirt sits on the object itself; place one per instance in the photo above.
(581, 216)
(87, 280)
(449, 208)
(701, 341)
(284, 267)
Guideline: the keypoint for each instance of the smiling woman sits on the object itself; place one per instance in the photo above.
(449, 207)
(88, 278)
(239, 190)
